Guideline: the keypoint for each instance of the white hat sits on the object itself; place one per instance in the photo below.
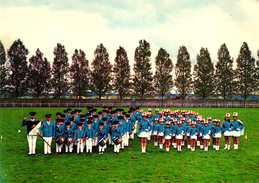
(179, 122)
(193, 122)
(208, 118)
(206, 122)
(149, 109)
(189, 120)
(157, 109)
(161, 120)
(156, 119)
(168, 122)
(175, 120)
(227, 115)
(235, 114)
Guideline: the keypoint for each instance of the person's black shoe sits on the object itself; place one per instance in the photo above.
(28, 155)
(33, 154)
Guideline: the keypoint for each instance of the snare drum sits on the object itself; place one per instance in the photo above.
(68, 140)
(60, 140)
(117, 140)
(102, 142)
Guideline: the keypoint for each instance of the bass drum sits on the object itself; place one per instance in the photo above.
(102, 142)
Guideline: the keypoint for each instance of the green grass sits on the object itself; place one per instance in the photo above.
(130, 165)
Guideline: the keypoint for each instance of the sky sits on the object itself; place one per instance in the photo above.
(168, 24)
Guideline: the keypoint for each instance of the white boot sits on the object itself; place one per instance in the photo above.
(201, 146)
(167, 148)
(214, 146)
(188, 146)
(155, 143)
(161, 146)
(209, 143)
(180, 147)
(198, 143)
(236, 146)
(226, 146)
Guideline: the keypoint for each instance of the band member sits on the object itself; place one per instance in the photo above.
(179, 132)
(227, 131)
(79, 138)
(193, 135)
(116, 133)
(48, 128)
(59, 131)
(217, 133)
(212, 133)
(237, 127)
(31, 124)
(128, 125)
(187, 133)
(89, 135)
(101, 135)
(68, 135)
(173, 127)
(155, 131)
(95, 127)
(201, 126)
(167, 135)
(160, 132)
(205, 134)
(123, 128)
(143, 131)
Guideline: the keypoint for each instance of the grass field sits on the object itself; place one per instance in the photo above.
(130, 165)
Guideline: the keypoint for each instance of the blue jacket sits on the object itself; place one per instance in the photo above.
(128, 124)
(188, 129)
(144, 125)
(227, 126)
(206, 130)
(89, 132)
(116, 132)
(68, 132)
(59, 130)
(237, 125)
(167, 131)
(101, 133)
(48, 130)
(122, 125)
(79, 134)
(155, 127)
(161, 128)
(216, 129)
(180, 130)
(29, 124)
(194, 131)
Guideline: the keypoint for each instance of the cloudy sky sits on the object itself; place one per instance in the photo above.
(83, 24)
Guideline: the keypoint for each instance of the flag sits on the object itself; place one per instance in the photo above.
(35, 125)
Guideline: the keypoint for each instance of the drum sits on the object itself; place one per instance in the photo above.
(60, 140)
(117, 140)
(102, 142)
(68, 140)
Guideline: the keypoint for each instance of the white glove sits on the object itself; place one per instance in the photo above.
(146, 130)
(238, 128)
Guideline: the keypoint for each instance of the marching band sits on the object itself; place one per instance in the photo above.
(76, 132)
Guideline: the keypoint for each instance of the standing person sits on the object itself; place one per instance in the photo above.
(237, 127)
(180, 130)
(160, 132)
(128, 125)
(214, 121)
(69, 133)
(48, 128)
(122, 125)
(188, 129)
(59, 132)
(144, 127)
(89, 135)
(193, 135)
(167, 135)
(227, 131)
(205, 134)
(31, 123)
(201, 126)
(116, 135)
(217, 133)
(79, 138)
(101, 136)
(155, 131)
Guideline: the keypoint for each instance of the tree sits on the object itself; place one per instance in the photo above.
(203, 74)
(121, 72)
(100, 83)
(39, 74)
(245, 71)
(163, 80)
(183, 80)
(142, 80)
(3, 71)
(79, 74)
(224, 74)
(60, 71)
(17, 69)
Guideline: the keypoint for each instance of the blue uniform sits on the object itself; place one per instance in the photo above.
(116, 132)
(227, 126)
(29, 124)
(193, 131)
(237, 125)
(144, 125)
(79, 134)
(206, 130)
(180, 130)
(167, 131)
(48, 130)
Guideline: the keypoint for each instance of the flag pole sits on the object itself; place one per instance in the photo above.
(44, 140)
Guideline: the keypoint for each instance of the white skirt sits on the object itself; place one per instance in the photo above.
(236, 133)
(207, 136)
(161, 134)
(228, 133)
(144, 134)
(194, 137)
(155, 132)
(188, 134)
(168, 137)
(179, 136)
(218, 135)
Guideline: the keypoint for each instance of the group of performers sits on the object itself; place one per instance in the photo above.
(74, 130)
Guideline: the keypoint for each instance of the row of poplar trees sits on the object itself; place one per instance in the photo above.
(102, 78)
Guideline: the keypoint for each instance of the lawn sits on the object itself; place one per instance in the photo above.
(130, 165)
